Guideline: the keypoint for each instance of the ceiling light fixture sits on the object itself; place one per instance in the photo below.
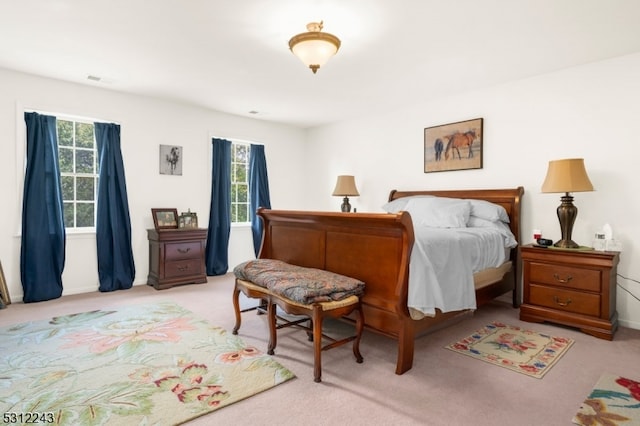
(314, 48)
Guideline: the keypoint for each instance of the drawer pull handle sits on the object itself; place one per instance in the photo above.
(183, 268)
(560, 280)
(558, 302)
(184, 251)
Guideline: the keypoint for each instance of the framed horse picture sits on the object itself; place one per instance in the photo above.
(453, 146)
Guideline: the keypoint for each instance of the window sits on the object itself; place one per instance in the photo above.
(240, 182)
(78, 172)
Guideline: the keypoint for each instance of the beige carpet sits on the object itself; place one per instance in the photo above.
(442, 388)
(155, 364)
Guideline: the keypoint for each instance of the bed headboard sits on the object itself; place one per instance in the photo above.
(509, 198)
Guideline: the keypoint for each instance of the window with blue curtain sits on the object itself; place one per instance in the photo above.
(227, 171)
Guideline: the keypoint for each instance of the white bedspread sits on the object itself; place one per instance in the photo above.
(443, 262)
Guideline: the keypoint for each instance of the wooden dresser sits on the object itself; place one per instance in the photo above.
(576, 288)
(176, 256)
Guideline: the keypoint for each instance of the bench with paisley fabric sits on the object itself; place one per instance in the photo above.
(314, 293)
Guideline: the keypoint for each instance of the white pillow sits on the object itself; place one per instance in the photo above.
(400, 204)
(439, 212)
(500, 226)
(488, 211)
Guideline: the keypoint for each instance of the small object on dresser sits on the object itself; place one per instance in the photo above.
(188, 220)
(544, 242)
(537, 234)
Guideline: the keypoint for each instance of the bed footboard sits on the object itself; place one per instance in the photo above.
(372, 247)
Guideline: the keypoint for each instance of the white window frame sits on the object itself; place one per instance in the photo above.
(234, 184)
(75, 175)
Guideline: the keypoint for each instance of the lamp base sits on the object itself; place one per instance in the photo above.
(567, 213)
(345, 207)
(569, 244)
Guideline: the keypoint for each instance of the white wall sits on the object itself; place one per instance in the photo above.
(145, 123)
(589, 111)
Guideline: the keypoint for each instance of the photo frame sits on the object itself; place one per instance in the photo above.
(453, 146)
(171, 160)
(4, 291)
(188, 220)
(165, 218)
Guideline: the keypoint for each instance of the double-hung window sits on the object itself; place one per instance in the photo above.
(240, 182)
(78, 159)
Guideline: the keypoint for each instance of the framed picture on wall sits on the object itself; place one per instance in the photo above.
(171, 160)
(165, 218)
(453, 146)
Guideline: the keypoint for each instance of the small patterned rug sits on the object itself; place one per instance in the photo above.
(155, 364)
(613, 401)
(525, 351)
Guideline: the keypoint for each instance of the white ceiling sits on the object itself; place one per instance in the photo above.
(232, 55)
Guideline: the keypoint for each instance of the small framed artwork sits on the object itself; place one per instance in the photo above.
(453, 146)
(165, 218)
(188, 220)
(4, 291)
(171, 160)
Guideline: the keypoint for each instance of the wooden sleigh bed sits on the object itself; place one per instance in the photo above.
(376, 248)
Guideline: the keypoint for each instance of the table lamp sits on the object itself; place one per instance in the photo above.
(345, 186)
(568, 175)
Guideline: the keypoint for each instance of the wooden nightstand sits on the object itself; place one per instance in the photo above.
(176, 256)
(570, 287)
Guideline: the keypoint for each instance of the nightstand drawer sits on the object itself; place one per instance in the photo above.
(179, 251)
(565, 276)
(182, 268)
(565, 300)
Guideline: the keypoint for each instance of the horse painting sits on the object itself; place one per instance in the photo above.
(460, 140)
(438, 146)
(172, 158)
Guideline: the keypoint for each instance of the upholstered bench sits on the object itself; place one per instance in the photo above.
(312, 293)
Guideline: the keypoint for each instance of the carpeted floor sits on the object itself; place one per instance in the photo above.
(442, 388)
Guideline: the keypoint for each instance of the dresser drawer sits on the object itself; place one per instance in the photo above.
(565, 300)
(182, 268)
(184, 250)
(565, 276)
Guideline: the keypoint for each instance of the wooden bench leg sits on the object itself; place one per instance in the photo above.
(317, 342)
(273, 335)
(236, 309)
(359, 328)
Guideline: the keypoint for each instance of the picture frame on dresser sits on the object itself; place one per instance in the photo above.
(188, 220)
(165, 218)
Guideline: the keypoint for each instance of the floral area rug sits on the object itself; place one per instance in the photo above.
(613, 401)
(153, 364)
(515, 348)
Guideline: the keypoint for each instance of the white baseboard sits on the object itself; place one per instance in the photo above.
(629, 324)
